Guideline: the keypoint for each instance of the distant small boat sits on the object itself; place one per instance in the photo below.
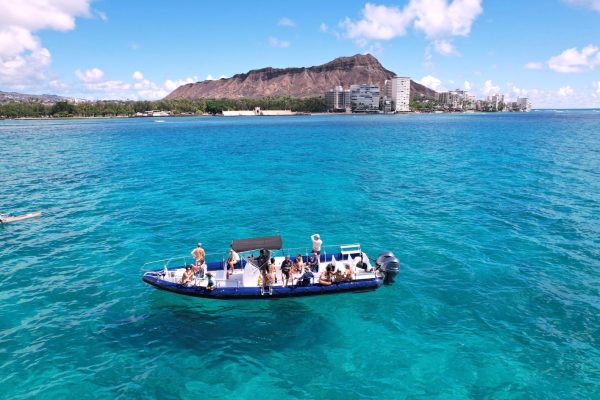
(4, 218)
(159, 120)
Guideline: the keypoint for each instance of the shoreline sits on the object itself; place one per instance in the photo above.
(291, 115)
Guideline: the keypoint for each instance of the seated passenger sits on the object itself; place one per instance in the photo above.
(348, 275)
(298, 265)
(363, 265)
(187, 275)
(211, 282)
(313, 262)
(306, 277)
(326, 277)
(286, 268)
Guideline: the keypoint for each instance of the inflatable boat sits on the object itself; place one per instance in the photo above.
(345, 268)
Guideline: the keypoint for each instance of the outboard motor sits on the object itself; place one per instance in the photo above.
(389, 266)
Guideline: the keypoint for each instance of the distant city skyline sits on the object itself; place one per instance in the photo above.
(548, 51)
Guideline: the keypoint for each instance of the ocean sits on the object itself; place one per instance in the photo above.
(494, 217)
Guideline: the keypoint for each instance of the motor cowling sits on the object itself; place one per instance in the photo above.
(389, 266)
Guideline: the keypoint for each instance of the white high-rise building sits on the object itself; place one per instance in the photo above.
(397, 90)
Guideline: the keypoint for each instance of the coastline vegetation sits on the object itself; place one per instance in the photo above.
(113, 108)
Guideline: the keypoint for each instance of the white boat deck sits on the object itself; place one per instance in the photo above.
(249, 275)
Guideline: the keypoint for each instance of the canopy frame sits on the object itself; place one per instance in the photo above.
(265, 242)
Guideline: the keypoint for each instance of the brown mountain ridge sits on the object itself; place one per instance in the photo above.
(297, 82)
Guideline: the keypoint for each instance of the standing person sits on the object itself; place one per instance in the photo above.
(232, 260)
(313, 262)
(199, 254)
(286, 268)
(316, 243)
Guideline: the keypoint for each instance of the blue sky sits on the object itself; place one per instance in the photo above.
(546, 50)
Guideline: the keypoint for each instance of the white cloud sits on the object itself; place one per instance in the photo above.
(137, 76)
(90, 76)
(596, 85)
(533, 65)
(572, 60)
(438, 19)
(209, 77)
(430, 81)
(593, 4)
(565, 91)
(222, 77)
(23, 59)
(323, 27)
(274, 42)
(285, 21)
(489, 88)
(172, 85)
(57, 84)
(444, 47)
(467, 86)
(101, 14)
(139, 88)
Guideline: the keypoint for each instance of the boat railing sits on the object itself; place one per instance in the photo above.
(167, 262)
(185, 260)
(326, 251)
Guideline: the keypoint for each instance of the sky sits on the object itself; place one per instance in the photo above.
(546, 50)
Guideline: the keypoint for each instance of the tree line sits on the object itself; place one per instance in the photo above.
(110, 108)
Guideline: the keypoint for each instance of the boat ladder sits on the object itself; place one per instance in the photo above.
(262, 290)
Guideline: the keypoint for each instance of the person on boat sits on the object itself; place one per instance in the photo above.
(298, 264)
(363, 265)
(187, 276)
(326, 277)
(232, 260)
(348, 275)
(199, 254)
(306, 277)
(210, 285)
(262, 263)
(316, 243)
(272, 274)
(286, 268)
(313, 261)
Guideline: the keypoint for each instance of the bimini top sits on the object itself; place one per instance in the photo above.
(267, 242)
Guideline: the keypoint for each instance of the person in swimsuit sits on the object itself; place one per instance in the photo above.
(272, 274)
(348, 273)
(199, 254)
(326, 277)
(187, 275)
(298, 265)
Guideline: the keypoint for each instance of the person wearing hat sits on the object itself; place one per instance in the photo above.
(316, 243)
(306, 277)
(199, 254)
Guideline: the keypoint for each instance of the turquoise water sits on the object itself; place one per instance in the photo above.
(496, 220)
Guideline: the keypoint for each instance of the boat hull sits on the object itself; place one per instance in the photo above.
(266, 293)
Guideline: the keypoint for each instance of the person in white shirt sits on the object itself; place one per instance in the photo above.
(316, 243)
(232, 260)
